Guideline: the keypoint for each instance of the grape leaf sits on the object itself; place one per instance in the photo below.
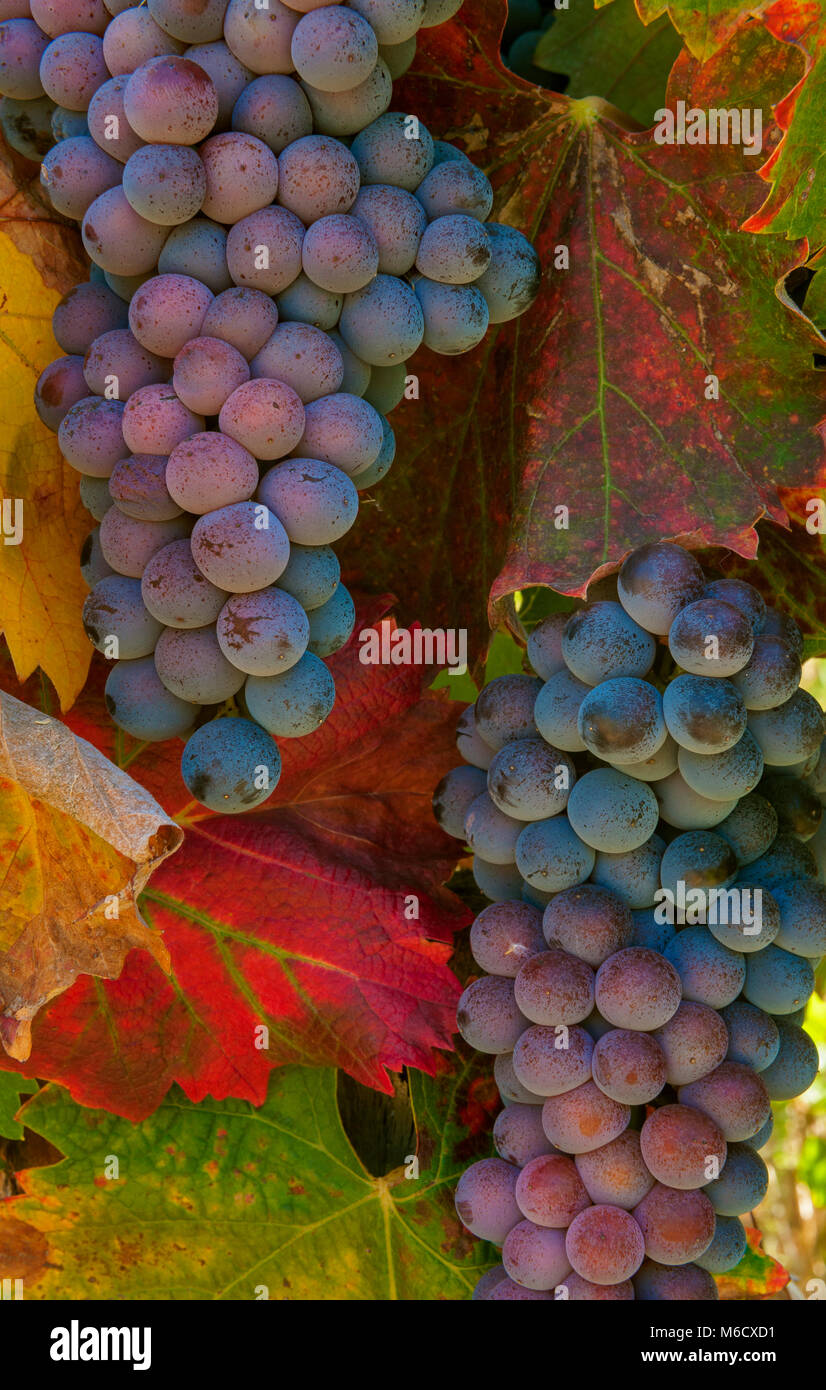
(79, 840)
(758, 1275)
(307, 1221)
(705, 28)
(321, 917)
(41, 587)
(11, 1089)
(595, 400)
(607, 52)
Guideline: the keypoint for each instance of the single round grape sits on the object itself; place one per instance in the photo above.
(393, 21)
(312, 576)
(556, 711)
(790, 732)
(655, 582)
(772, 674)
(551, 856)
(616, 1172)
(487, 1015)
(206, 372)
(528, 780)
(753, 1036)
(95, 496)
(382, 323)
(264, 250)
(743, 1183)
(504, 709)
(165, 184)
(138, 487)
(264, 633)
(550, 1192)
(703, 713)
(544, 649)
(699, 860)
(304, 302)
(799, 808)
(628, 1066)
(634, 875)
(294, 704)
(91, 436)
(535, 1256)
(750, 828)
(229, 78)
(742, 596)
(167, 311)
(711, 638)
(551, 1061)
(131, 38)
(455, 316)
(244, 318)
(273, 108)
(197, 248)
(117, 365)
(605, 1245)
(231, 765)
(724, 776)
(486, 1200)
(693, 1041)
(22, 46)
(210, 471)
(682, 1147)
(304, 358)
(393, 150)
(115, 610)
(453, 250)
(589, 922)
(241, 176)
(191, 664)
(777, 624)
(71, 69)
(140, 705)
(510, 1087)
(396, 221)
(339, 254)
(315, 501)
(452, 800)
(505, 935)
(344, 113)
(117, 238)
(240, 548)
(260, 38)
(621, 720)
(647, 930)
(600, 641)
(778, 981)
(554, 988)
(332, 623)
(63, 16)
(191, 21)
(343, 430)
(469, 741)
(84, 314)
(685, 1283)
(128, 544)
(685, 809)
(334, 49)
(171, 101)
(490, 832)
(318, 177)
(154, 420)
(75, 172)
(710, 973)
(732, 1095)
(583, 1119)
(611, 811)
(176, 592)
(637, 988)
(795, 1066)
(398, 57)
(264, 416)
(59, 386)
(511, 282)
(107, 121)
(726, 1249)
(453, 187)
(677, 1226)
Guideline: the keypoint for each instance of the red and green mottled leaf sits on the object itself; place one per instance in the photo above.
(596, 399)
(223, 1201)
(706, 28)
(757, 1275)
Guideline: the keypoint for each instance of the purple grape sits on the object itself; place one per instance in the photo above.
(504, 709)
(778, 981)
(241, 176)
(621, 720)
(240, 548)
(742, 596)
(802, 906)
(795, 1066)
(294, 704)
(315, 501)
(263, 633)
(116, 620)
(616, 1172)
(381, 465)
(771, 675)
(556, 710)
(356, 374)
(704, 714)
(583, 1119)
(138, 487)
(453, 250)
(71, 70)
(176, 592)
(656, 582)
(128, 544)
(488, 1017)
(59, 386)
(518, 1134)
(339, 254)
(343, 430)
(635, 875)
(490, 832)
(486, 1200)
(454, 187)
(393, 21)
(206, 372)
(396, 221)
(304, 302)
(452, 800)
(166, 184)
(117, 365)
(246, 319)
(396, 149)
(210, 471)
(260, 38)
(726, 1249)
(511, 282)
(132, 38)
(228, 76)
(22, 45)
(499, 882)
(733, 1096)
(84, 314)
(119, 240)
(685, 809)
(231, 765)
(312, 577)
(637, 988)
(317, 176)
(455, 316)
(192, 666)
(551, 856)
(304, 358)
(75, 172)
(611, 811)
(154, 421)
(198, 22)
(264, 250)
(472, 747)
(724, 776)
(266, 417)
(275, 109)
(91, 436)
(171, 101)
(140, 705)
(753, 1036)
(693, 1041)
(108, 125)
(789, 733)
(334, 49)
(64, 16)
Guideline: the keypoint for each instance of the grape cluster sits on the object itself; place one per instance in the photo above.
(270, 244)
(645, 814)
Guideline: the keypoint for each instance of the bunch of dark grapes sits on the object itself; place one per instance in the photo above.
(645, 815)
(270, 244)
